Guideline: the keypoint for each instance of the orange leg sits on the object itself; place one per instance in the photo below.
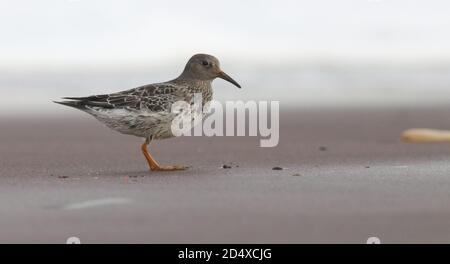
(154, 166)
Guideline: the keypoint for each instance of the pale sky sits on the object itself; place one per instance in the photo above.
(45, 32)
(312, 52)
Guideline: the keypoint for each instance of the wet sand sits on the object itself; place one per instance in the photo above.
(346, 177)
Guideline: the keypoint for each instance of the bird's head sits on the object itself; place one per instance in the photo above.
(205, 67)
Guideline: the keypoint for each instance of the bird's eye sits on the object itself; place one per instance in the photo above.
(205, 63)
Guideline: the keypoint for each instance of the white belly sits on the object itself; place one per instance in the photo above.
(155, 125)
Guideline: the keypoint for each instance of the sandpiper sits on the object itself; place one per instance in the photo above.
(145, 111)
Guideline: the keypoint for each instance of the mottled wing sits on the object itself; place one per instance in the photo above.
(154, 97)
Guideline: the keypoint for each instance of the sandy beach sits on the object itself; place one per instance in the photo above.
(346, 176)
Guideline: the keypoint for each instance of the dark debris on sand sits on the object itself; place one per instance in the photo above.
(229, 165)
(277, 168)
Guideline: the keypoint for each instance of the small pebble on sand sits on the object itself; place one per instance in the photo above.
(229, 165)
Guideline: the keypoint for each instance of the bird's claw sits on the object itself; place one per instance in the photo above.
(169, 168)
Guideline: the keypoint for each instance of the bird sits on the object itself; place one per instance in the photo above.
(145, 111)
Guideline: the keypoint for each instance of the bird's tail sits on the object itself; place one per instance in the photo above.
(76, 104)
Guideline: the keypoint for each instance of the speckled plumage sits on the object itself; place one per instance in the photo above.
(145, 111)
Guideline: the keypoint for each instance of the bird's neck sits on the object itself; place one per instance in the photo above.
(203, 87)
(194, 82)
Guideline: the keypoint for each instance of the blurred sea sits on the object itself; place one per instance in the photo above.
(315, 84)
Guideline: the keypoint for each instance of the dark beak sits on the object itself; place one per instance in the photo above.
(225, 76)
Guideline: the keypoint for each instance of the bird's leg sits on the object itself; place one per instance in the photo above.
(154, 166)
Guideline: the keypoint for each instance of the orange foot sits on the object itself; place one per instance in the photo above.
(154, 166)
(168, 168)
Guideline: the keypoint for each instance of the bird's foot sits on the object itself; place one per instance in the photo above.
(154, 166)
(168, 168)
